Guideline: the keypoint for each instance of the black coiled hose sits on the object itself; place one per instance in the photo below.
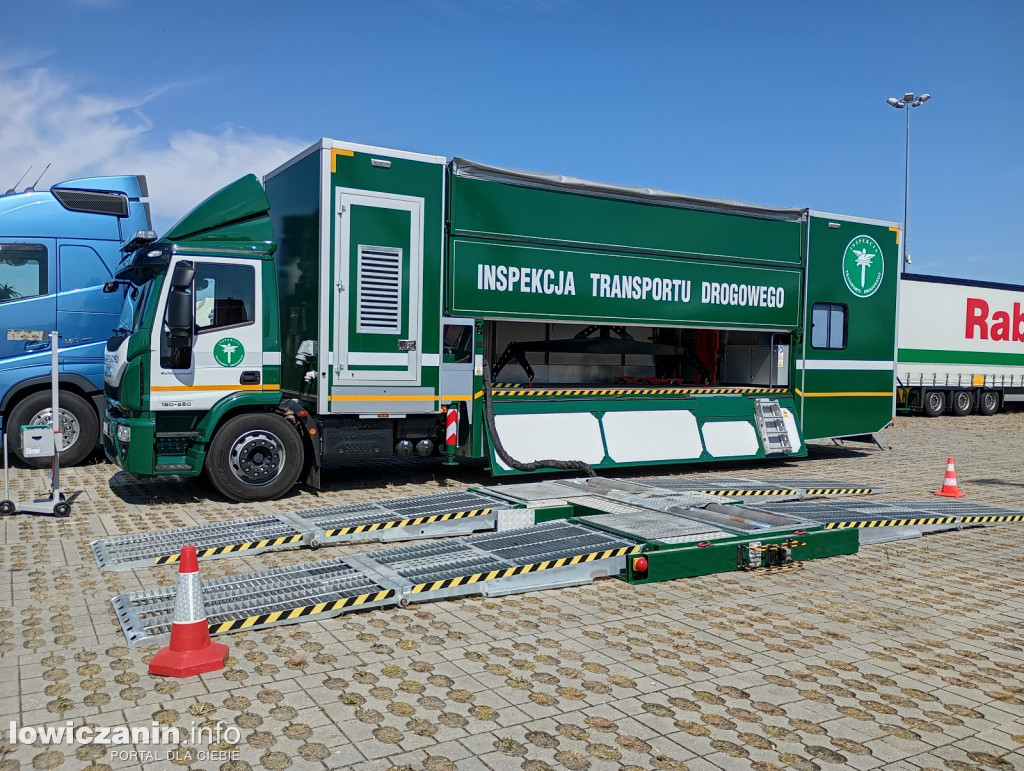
(562, 465)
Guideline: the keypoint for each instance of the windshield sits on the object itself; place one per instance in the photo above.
(132, 308)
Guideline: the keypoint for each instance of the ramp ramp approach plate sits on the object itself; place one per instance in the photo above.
(426, 516)
(880, 521)
(549, 555)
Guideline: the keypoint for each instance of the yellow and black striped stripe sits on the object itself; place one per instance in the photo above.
(523, 569)
(894, 522)
(978, 519)
(510, 389)
(745, 493)
(783, 545)
(232, 548)
(371, 527)
(300, 612)
(840, 490)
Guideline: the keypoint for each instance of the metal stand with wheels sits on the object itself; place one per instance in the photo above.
(56, 503)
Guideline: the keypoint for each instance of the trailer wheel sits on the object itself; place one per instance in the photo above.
(963, 403)
(988, 404)
(79, 425)
(934, 403)
(255, 457)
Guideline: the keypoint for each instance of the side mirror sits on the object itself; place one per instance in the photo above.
(111, 286)
(180, 319)
(182, 276)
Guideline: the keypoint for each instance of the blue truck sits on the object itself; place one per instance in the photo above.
(58, 247)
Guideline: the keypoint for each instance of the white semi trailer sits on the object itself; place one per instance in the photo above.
(961, 345)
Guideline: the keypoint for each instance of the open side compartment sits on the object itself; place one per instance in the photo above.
(617, 395)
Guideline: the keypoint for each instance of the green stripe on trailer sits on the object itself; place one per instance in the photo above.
(981, 358)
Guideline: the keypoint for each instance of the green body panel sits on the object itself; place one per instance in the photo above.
(379, 227)
(848, 391)
(409, 179)
(481, 208)
(667, 563)
(561, 284)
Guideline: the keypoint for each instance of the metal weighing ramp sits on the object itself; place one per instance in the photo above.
(219, 539)
(543, 557)
(880, 521)
(427, 516)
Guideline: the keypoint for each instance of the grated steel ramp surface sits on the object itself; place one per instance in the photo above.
(881, 521)
(427, 516)
(219, 539)
(454, 513)
(255, 600)
(658, 526)
(546, 556)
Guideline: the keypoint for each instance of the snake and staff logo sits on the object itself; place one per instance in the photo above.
(863, 266)
(228, 352)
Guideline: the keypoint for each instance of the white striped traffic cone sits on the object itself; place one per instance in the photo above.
(949, 486)
(191, 652)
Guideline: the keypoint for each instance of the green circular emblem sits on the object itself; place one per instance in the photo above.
(863, 266)
(228, 352)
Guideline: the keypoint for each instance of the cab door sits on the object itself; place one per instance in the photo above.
(226, 355)
(379, 260)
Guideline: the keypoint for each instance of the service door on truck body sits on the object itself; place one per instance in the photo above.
(844, 368)
(380, 279)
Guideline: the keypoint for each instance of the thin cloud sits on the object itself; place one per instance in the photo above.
(49, 119)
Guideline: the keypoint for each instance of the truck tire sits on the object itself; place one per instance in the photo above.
(933, 403)
(988, 403)
(963, 403)
(255, 457)
(80, 426)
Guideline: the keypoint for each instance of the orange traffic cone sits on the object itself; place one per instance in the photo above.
(949, 488)
(191, 652)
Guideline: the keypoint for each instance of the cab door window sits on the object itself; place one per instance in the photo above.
(22, 271)
(225, 296)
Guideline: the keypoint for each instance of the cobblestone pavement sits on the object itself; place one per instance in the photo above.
(907, 655)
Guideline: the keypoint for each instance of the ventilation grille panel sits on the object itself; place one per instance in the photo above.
(380, 290)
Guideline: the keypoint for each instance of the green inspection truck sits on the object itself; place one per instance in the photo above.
(360, 298)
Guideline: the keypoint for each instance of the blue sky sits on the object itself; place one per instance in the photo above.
(774, 103)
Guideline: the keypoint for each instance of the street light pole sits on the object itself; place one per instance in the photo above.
(908, 101)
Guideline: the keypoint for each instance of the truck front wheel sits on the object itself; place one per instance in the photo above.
(934, 403)
(79, 425)
(255, 457)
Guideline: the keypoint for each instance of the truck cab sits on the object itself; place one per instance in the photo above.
(58, 247)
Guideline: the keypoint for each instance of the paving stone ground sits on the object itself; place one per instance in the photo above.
(907, 655)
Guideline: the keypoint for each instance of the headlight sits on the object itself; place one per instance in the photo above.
(124, 433)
